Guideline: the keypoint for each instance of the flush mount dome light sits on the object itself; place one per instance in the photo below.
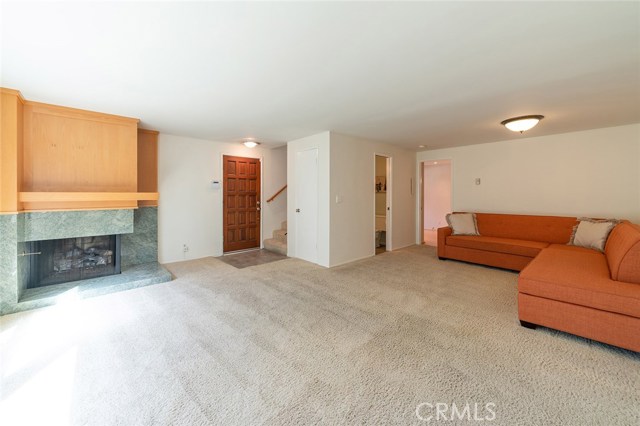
(250, 144)
(522, 124)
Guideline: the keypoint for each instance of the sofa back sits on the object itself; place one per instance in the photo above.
(546, 229)
(623, 253)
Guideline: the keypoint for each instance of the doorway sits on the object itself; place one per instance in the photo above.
(306, 205)
(436, 198)
(382, 204)
(241, 203)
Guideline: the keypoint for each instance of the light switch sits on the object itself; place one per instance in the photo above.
(338, 199)
(477, 181)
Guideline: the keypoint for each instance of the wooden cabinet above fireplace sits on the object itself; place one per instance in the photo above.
(59, 158)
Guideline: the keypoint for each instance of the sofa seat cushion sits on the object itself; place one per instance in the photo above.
(497, 244)
(579, 276)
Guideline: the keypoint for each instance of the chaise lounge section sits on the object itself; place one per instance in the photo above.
(573, 289)
(585, 292)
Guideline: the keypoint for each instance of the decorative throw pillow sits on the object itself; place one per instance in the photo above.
(463, 223)
(592, 233)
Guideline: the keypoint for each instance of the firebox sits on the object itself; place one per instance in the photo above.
(72, 259)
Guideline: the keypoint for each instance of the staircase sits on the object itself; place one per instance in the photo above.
(278, 243)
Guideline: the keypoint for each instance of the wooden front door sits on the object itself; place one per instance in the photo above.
(241, 203)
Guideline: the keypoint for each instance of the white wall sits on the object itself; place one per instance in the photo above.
(352, 182)
(190, 208)
(320, 141)
(590, 173)
(437, 194)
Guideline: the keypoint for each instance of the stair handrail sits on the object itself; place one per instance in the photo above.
(276, 194)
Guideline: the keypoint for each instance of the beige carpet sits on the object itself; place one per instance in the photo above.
(292, 343)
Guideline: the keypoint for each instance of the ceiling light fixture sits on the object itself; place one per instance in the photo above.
(251, 144)
(523, 123)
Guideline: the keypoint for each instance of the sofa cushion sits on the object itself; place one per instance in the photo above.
(549, 229)
(499, 245)
(579, 276)
(623, 253)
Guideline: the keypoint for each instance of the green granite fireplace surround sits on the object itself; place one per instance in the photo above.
(139, 253)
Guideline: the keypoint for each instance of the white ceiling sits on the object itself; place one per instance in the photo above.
(432, 73)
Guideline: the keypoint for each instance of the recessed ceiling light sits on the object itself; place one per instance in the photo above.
(420, 146)
(435, 162)
(251, 144)
(523, 123)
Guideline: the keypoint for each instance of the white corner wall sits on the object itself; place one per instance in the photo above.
(590, 173)
(320, 141)
(352, 197)
(190, 208)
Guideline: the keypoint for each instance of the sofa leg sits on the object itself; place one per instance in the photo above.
(529, 325)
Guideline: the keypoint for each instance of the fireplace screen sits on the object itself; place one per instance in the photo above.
(72, 259)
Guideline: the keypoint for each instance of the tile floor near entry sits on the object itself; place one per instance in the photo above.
(251, 258)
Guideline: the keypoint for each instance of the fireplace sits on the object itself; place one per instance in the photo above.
(71, 259)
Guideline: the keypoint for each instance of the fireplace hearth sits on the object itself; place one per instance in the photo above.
(71, 264)
(71, 259)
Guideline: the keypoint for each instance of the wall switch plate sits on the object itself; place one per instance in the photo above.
(338, 199)
(477, 181)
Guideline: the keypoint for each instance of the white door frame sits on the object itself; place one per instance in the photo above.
(423, 187)
(389, 198)
(421, 202)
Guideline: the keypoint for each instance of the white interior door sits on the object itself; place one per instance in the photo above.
(306, 205)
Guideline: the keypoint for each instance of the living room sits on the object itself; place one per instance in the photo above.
(123, 124)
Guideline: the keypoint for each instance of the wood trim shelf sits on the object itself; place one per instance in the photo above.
(39, 197)
(12, 92)
(81, 114)
(149, 131)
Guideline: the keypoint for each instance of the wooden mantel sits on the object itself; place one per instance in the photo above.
(58, 158)
(34, 197)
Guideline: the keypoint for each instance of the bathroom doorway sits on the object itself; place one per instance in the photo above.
(382, 204)
(436, 198)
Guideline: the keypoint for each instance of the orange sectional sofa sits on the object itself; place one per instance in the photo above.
(573, 289)
(506, 241)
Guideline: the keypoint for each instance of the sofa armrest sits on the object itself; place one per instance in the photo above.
(443, 233)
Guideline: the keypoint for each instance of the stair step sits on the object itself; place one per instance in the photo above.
(284, 225)
(280, 235)
(276, 246)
